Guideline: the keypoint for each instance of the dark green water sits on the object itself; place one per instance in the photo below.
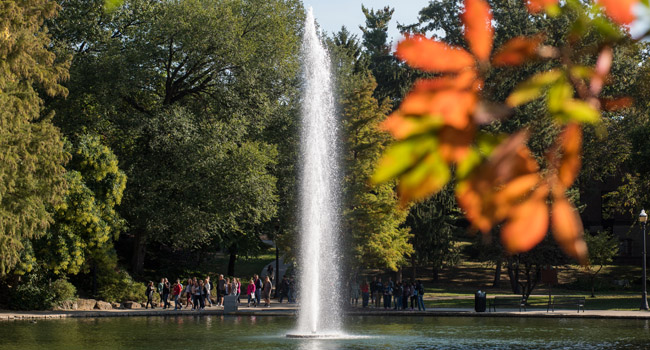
(261, 333)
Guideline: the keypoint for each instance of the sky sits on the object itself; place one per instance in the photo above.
(332, 14)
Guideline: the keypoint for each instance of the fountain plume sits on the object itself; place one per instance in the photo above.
(320, 285)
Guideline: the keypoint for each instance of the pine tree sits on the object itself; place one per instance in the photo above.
(393, 78)
(31, 149)
(372, 216)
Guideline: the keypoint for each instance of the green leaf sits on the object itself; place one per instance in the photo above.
(583, 72)
(557, 95)
(401, 156)
(465, 167)
(427, 177)
(112, 5)
(607, 28)
(532, 88)
(486, 143)
(579, 111)
(553, 10)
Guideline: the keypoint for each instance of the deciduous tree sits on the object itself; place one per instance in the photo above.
(602, 250)
(86, 224)
(435, 228)
(185, 92)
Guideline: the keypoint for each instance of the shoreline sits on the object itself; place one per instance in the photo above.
(279, 310)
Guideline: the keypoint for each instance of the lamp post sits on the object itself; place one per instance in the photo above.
(643, 218)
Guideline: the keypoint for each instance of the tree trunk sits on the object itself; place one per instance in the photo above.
(593, 281)
(231, 261)
(139, 251)
(497, 274)
(533, 275)
(414, 267)
(513, 275)
(94, 272)
(399, 274)
(436, 274)
(277, 264)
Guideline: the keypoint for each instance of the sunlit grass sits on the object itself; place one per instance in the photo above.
(626, 301)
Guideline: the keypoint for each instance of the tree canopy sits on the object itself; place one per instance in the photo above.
(186, 91)
(372, 222)
(31, 147)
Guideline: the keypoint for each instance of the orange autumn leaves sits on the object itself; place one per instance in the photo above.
(508, 188)
(620, 11)
(436, 128)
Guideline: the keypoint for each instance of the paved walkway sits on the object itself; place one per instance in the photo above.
(282, 265)
(283, 269)
(291, 309)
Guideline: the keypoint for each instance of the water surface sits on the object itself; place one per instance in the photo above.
(262, 333)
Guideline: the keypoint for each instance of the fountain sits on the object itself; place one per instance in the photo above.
(320, 287)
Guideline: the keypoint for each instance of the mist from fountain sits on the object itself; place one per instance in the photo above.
(320, 287)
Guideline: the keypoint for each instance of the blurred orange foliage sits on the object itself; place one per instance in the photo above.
(436, 129)
(620, 11)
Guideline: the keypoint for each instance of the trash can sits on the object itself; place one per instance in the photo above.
(230, 304)
(479, 301)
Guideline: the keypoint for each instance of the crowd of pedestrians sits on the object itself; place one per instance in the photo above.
(197, 293)
(395, 295)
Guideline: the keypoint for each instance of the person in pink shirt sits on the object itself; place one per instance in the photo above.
(250, 291)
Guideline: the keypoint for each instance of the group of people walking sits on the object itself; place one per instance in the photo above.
(395, 295)
(197, 293)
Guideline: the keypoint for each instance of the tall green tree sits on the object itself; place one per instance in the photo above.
(86, 224)
(602, 250)
(435, 229)
(393, 78)
(31, 148)
(186, 93)
(372, 218)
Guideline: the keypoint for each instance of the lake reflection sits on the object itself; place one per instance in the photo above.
(261, 333)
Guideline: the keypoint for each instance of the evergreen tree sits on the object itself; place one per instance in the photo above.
(31, 148)
(372, 215)
(433, 223)
(372, 218)
(393, 78)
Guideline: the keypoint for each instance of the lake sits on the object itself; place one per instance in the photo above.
(364, 332)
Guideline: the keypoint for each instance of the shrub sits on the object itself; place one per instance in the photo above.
(33, 293)
(120, 287)
(63, 290)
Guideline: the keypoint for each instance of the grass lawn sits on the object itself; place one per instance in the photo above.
(605, 302)
(213, 265)
(246, 267)
(456, 286)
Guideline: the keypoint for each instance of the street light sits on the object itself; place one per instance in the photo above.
(643, 217)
